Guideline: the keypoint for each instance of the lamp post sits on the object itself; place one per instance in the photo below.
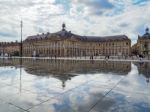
(21, 25)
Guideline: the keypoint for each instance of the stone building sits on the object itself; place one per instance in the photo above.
(66, 44)
(142, 46)
(9, 48)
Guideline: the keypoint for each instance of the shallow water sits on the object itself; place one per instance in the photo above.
(73, 86)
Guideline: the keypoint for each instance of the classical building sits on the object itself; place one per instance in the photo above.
(66, 44)
(9, 48)
(142, 46)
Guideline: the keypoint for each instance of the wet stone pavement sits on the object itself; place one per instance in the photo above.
(29, 85)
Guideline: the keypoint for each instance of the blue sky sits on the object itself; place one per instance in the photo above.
(84, 17)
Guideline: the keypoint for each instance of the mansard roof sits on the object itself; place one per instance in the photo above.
(36, 36)
(64, 34)
(107, 38)
(146, 36)
(9, 43)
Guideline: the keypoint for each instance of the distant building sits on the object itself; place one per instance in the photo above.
(9, 48)
(66, 44)
(142, 46)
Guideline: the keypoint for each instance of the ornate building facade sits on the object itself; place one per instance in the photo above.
(66, 44)
(142, 47)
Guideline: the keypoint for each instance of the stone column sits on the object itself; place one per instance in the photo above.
(72, 49)
(75, 50)
(57, 49)
(60, 47)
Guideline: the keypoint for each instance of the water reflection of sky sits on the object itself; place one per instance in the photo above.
(72, 86)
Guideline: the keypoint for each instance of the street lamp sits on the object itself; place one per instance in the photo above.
(21, 25)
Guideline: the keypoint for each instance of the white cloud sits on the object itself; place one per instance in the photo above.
(83, 17)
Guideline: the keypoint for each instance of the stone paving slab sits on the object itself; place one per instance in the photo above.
(118, 101)
(5, 107)
(80, 99)
(24, 100)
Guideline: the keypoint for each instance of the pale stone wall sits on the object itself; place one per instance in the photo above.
(9, 48)
(73, 47)
(56, 46)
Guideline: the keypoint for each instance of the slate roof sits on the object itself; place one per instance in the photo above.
(107, 38)
(146, 36)
(67, 34)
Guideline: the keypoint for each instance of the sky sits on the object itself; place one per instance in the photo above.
(83, 17)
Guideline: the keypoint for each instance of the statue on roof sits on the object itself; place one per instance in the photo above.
(63, 27)
(147, 30)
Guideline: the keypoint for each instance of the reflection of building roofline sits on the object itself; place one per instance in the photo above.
(143, 68)
(59, 67)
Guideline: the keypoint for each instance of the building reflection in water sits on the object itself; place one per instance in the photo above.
(130, 91)
(20, 60)
(144, 69)
(65, 70)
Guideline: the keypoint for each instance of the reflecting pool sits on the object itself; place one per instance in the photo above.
(34, 85)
